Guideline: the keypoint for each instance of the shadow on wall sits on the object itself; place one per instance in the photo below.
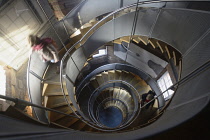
(155, 67)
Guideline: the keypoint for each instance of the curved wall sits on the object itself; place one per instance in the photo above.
(185, 30)
(86, 11)
(128, 68)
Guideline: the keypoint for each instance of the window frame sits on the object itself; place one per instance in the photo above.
(164, 82)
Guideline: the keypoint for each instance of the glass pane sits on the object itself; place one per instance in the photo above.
(164, 83)
(170, 92)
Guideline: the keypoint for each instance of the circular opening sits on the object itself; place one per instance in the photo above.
(111, 117)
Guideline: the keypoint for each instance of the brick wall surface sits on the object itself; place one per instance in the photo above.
(16, 84)
(62, 7)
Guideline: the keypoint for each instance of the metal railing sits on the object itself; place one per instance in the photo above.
(77, 45)
(122, 107)
(134, 94)
(85, 38)
(26, 103)
(48, 33)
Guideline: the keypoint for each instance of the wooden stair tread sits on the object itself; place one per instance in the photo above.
(86, 25)
(18, 114)
(100, 79)
(125, 39)
(78, 125)
(64, 108)
(85, 30)
(55, 125)
(153, 43)
(87, 128)
(66, 121)
(76, 38)
(174, 58)
(161, 45)
(134, 81)
(115, 92)
(128, 78)
(56, 101)
(105, 77)
(55, 116)
(53, 90)
(136, 39)
(144, 39)
(123, 75)
(117, 75)
(94, 83)
(111, 75)
(117, 41)
(51, 76)
(53, 79)
(168, 52)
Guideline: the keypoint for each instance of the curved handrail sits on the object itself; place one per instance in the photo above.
(115, 81)
(29, 60)
(80, 44)
(146, 2)
(28, 70)
(107, 100)
(106, 17)
(26, 103)
(92, 28)
(62, 88)
(28, 87)
(113, 65)
(136, 93)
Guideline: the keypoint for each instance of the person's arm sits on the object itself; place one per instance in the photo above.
(54, 53)
(55, 56)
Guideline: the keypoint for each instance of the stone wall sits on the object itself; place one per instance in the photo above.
(63, 7)
(16, 85)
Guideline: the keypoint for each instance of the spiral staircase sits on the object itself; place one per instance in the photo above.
(101, 97)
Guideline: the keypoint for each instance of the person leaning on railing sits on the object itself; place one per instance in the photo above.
(46, 48)
(146, 98)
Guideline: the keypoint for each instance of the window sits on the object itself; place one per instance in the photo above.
(164, 83)
(34, 10)
(15, 25)
(101, 52)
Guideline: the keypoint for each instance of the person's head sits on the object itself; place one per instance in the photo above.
(149, 97)
(151, 92)
(33, 40)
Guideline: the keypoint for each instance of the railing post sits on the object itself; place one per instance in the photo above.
(51, 24)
